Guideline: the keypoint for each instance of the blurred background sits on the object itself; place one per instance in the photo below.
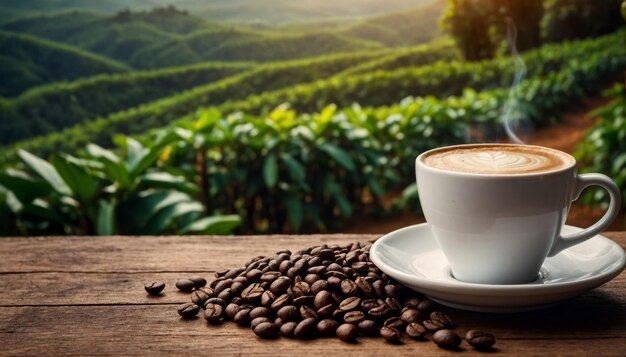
(277, 116)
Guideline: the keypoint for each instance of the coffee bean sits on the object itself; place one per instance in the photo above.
(334, 282)
(392, 291)
(311, 278)
(216, 300)
(209, 291)
(326, 254)
(154, 288)
(480, 340)
(379, 288)
(288, 313)
(317, 270)
(267, 298)
(233, 273)
(185, 285)
(199, 297)
(254, 275)
(347, 332)
(303, 300)
(188, 310)
(431, 326)
(337, 274)
(394, 322)
(252, 293)
(426, 306)
(222, 285)
(242, 317)
(260, 312)
(281, 302)
(270, 276)
(441, 319)
(394, 304)
(348, 287)
(298, 289)
(360, 267)
(350, 303)
(307, 312)
(415, 331)
(327, 327)
(284, 266)
(237, 288)
(213, 313)
(410, 316)
(305, 329)
(230, 311)
(287, 329)
(301, 266)
(322, 299)
(326, 311)
(280, 285)
(225, 295)
(365, 288)
(380, 312)
(266, 330)
(368, 328)
(369, 304)
(257, 321)
(221, 273)
(354, 317)
(198, 281)
(411, 302)
(447, 339)
(390, 334)
(241, 279)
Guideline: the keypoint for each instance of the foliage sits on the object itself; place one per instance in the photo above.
(59, 105)
(103, 193)
(604, 147)
(480, 26)
(410, 57)
(27, 61)
(568, 19)
(158, 113)
(605, 57)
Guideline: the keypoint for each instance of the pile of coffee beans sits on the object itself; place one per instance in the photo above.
(322, 291)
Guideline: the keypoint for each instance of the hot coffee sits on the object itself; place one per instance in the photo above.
(498, 159)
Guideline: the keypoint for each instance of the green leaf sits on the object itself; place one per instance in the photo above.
(166, 180)
(77, 178)
(24, 187)
(149, 157)
(296, 171)
(45, 171)
(166, 216)
(339, 155)
(215, 225)
(105, 224)
(113, 165)
(294, 211)
(147, 204)
(270, 170)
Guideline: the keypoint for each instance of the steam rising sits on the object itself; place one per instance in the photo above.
(511, 117)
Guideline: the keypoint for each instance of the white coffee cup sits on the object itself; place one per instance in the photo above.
(498, 228)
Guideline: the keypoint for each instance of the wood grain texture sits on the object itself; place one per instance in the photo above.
(149, 254)
(84, 296)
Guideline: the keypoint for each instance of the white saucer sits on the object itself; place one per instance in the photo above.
(412, 256)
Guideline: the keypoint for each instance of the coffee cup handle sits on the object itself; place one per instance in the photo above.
(582, 182)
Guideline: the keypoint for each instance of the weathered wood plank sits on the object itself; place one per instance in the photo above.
(123, 288)
(149, 254)
(157, 254)
(156, 330)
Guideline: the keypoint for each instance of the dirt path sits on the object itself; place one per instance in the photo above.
(562, 136)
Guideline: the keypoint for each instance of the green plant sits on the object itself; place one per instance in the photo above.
(604, 147)
(103, 193)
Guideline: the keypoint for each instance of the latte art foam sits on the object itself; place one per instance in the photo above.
(498, 159)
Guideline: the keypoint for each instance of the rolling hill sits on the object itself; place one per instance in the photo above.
(27, 61)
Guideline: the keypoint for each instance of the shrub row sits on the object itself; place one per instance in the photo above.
(56, 106)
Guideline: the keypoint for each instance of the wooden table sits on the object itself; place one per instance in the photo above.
(85, 296)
